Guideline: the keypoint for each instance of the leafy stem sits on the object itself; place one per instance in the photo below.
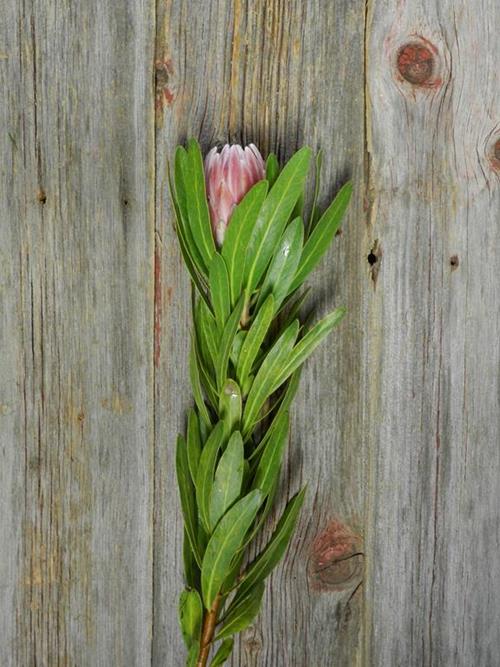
(207, 631)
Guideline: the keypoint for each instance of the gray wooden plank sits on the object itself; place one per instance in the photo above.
(434, 352)
(76, 195)
(279, 74)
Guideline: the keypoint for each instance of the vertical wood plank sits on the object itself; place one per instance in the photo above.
(76, 239)
(433, 595)
(279, 74)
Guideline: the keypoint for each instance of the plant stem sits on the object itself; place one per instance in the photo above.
(207, 632)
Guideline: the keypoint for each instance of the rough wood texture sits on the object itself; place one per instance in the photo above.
(76, 230)
(433, 525)
(397, 424)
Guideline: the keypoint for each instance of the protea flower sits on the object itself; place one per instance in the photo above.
(229, 176)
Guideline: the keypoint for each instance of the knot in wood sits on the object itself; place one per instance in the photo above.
(496, 150)
(415, 63)
(336, 559)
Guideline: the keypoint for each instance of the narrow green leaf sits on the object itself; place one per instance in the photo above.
(308, 344)
(269, 465)
(197, 278)
(191, 569)
(223, 653)
(237, 345)
(272, 169)
(254, 339)
(322, 235)
(230, 407)
(235, 246)
(205, 476)
(190, 616)
(242, 611)
(187, 496)
(292, 305)
(192, 658)
(274, 215)
(219, 290)
(263, 514)
(194, 376)
(207, 335)
(228, 477)
(227, 340)
(317, 184)
(197, 204)
(282, 404)
(184, 228)
(284, 263)
(265, 379)
(225, 543)
(193, 443)
(265, 562)
(298, 209)
(208, 385)
(206, 379)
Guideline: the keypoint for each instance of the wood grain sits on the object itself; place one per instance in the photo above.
(434, 353)
(77, 311)
(396, 427)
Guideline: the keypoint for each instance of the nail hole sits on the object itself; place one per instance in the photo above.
(374, 258)
(41, 196)
(125, 202)
(454, 262)
(415, 63)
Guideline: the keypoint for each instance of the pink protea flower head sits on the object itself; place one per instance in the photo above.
(229, 176)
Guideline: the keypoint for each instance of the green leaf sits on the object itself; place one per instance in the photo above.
(190, 616)
(235, 246)
(219, 290)
(184, 230)
(225, 543)
(322, 235)
(265, 379)
(206, 334)
(292, 305)
(187, 495)
(283, 266)
(242, 611)
(269, 465)
(254, 339)
(194, 376)
(227, 340)
(223, 653)
(317, 184)
(205, 475)
(298, 209)
(282, 404)
(228, 477)
(191, 569)
(196, 202)
(192, 658)
(193, 443)
(236, 349)
(206, 380)
(230, 407)
(274, 215)
(272, 169)
(265, 562)
(308, 344)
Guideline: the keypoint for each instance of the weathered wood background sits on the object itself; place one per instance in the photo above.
(397, 425)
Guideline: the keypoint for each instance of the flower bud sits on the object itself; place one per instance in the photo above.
(229, 175)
